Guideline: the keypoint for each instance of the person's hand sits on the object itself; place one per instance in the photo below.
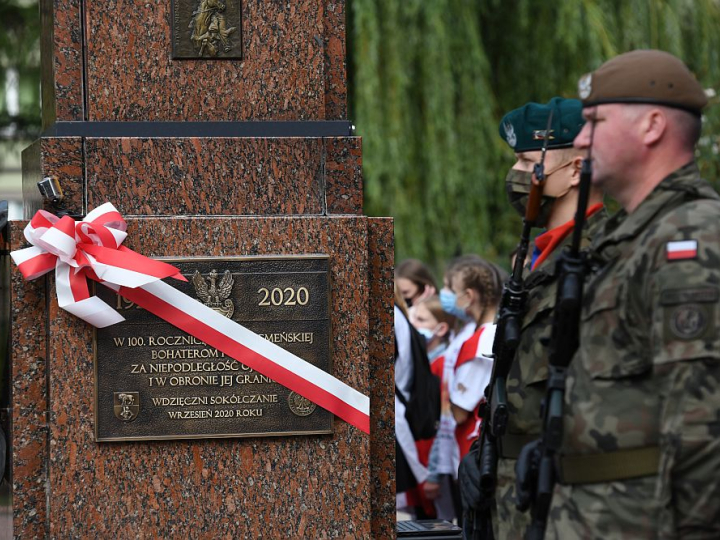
(432, 490)
(527, 467)
(428, 291)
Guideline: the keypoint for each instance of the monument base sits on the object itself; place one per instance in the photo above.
(341, 485)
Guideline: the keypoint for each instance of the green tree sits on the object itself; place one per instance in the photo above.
(19, 73)
(20, 59)
(432, 79)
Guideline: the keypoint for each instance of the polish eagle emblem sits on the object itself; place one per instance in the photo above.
(214, 295)
(585, 86)
(510, 134)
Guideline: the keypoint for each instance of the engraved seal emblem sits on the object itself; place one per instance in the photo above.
(215, 295)
(299, 405)
(688, 321)
(126, 406)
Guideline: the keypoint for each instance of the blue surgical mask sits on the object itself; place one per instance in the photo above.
(448, 301)
(426, 333)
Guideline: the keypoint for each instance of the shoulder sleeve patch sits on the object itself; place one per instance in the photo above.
(688, 321)
(681, 250)
(689, 312)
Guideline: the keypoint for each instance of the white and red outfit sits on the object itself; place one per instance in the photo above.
(472, 374)
(445, 446)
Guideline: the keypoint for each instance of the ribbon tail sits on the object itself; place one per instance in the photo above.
(74, 297)
(127, 267)
(95, 311)
(255, 352)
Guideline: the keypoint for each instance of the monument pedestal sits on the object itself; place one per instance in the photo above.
(248, 186)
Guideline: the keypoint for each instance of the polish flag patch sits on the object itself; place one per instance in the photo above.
(683, 249)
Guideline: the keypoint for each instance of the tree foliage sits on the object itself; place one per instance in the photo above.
(432, 79)
(20, 58)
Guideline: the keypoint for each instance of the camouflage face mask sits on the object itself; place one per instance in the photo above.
(517, 185)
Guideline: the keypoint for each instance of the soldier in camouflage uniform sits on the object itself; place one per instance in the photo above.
(641, 450)
(528, 375)
(524, 129)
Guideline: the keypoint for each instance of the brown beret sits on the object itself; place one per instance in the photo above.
(643, 76)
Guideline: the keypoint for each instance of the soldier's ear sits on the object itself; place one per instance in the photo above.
(575, 168)
(653, 126)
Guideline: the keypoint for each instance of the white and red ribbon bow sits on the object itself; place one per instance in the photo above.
(92, 249)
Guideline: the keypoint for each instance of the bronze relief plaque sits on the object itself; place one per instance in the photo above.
(206, 29)
(154, 381)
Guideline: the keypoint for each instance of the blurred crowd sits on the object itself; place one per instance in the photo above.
(454, 324)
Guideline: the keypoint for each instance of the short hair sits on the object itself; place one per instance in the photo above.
(566, 154)
(685, 126)
(688, 126)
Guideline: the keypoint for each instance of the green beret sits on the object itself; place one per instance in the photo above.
(643, 76)
(524, 128)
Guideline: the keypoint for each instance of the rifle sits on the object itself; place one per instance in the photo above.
(507, 338)
(536, 470)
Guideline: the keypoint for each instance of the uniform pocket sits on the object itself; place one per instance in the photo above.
(604, 300)
(610, 338)
(541, 301)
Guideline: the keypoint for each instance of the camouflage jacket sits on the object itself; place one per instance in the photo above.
(647, 373)
(526, 382)
(529, 371)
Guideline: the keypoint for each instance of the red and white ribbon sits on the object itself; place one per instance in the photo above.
(92, 249)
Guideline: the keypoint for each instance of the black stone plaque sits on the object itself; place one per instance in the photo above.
(206, 29)
(154, 381)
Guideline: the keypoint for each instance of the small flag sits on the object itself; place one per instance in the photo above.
(684, 249)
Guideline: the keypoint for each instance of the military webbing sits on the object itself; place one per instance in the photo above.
(511, 444)
(610, 466)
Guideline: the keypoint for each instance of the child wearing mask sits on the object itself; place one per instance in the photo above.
(444, 458)
(434, 324)
(415, 281)
(475, 287)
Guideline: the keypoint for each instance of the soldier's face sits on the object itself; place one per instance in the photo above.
(526, 160)
(614, 146)
(558, 173)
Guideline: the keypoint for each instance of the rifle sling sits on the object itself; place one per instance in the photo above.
(610, 466)
(511, 444)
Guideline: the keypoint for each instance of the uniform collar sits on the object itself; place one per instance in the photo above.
(547, 242)
(680, 185)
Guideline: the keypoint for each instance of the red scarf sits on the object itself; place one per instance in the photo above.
(549, 240)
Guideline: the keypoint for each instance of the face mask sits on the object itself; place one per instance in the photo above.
(518, 184)
(448, 301)
(426, 333)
